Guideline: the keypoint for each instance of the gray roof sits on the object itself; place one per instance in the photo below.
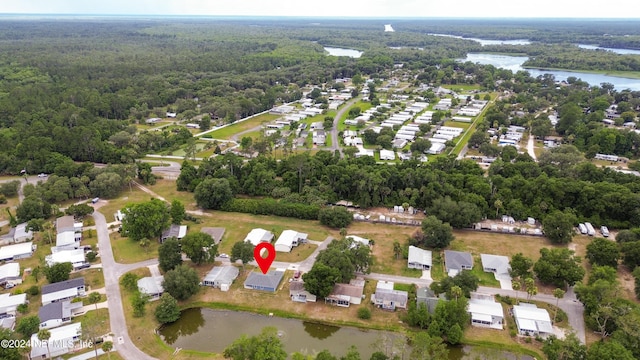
(63, 285)
(419, 256)
(268, 280)
(215, 232)
(172, 231)
(57, 310)
(222, 273)
(455, 260)
(498, 262)
(397, 296)
(65, 223)
(151, 285)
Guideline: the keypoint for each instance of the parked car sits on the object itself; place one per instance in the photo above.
(42, 175)
(224, 256)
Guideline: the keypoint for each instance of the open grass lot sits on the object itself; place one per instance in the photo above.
(457, 124)
(227, 132)
(93, 278)
(134, 195)
(297, 254)
(99, 318)
(167, 189)
(478, 243)
(11, 204)
(462, 87)
(127, 251)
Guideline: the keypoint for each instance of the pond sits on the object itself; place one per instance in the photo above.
(514, 63)
(343, 52)
(211, 330)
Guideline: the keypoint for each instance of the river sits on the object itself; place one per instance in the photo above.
(343, 52)
(210, 330)
(514, 63)
(484, 42)
(613, 50)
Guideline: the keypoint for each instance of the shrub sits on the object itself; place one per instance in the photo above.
(364, 313)
(33, 290)
(23, 308)
(91, 256)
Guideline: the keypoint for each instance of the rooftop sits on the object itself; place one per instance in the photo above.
(256, 236)
(456, 260)
(151, 285)
(222, 273)
(10, 251)
(9, 270)
(215, 232)
(420, 256)
(268, 280)
(63, 285)
(57, 310)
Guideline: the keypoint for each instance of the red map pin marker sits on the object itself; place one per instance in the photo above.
(264, 262)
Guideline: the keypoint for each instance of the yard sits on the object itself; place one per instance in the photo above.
(127, 251)
(167, 189)
(132, 196)
(240, 126)
(297, 254)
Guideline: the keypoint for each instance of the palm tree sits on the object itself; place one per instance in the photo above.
(530, 287)
(94, 298)
(456, 291)
(45, 335)
(515, 284)
(107, 346)
(397, 249)
(558, 294)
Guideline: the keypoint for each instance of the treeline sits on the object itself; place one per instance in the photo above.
(444, 185)
(272, 207)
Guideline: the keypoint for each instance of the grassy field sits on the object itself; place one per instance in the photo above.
(167, 189)
(457, 124)
(127, 251)
(298, 253)
(127, 197)
(98, 317)
(227, 132)
(462, 87)
(92, 278)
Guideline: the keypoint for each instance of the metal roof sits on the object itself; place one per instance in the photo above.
(269, 280)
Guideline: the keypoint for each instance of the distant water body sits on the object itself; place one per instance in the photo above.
(613, 50)
(514, 63)
(484, 42)
(343, 52)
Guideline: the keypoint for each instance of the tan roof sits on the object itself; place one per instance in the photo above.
(348, 290)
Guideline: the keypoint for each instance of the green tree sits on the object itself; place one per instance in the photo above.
(107, 346)
(181, 282)
(364, 313)
(437, 234)
(199, 247)
(266, 346)
(608, 350)
(177, 212)
(558, 226)
(169, 254)
(168, 310)
(58, 272)
(520, 266)
(516, 285)
(397, 249)
(631, 254)
(33, 208)
(425, 347)
(94, 298)
(79, 211)
(569, 348)
(558, 267)
(243, 251)
(45, 335)
(320, 279)
(213, 193)
(139, 302)
(129, 281)
(603, 252)
(9, 352)
(558, 294)
(336, 217)
(187, 180)
(28, 325)
(145, 220)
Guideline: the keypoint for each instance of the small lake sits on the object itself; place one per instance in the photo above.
(343, 52)
(514, 63)
(484, 42)
(211, 330)
(613, 50)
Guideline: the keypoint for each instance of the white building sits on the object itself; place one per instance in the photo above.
(288, 239)
(221, 277)
(17, 251)
(151, 286)
(532, 320)
(64, 290)
(359, 240)
(57, 314)
(419, 259)
(256, 236)
(75, 257)
(10, 274)
(387, 155)
(486, 313)
(67, 240)
(62, 341)
(21, 233)
(9, 304)
(436, 148)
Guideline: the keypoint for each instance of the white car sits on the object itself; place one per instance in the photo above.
(224, 256)
(42, 175)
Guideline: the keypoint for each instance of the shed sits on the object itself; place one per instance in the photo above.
(264, 282)
(221, 277)
(419, 259)
(456, 261)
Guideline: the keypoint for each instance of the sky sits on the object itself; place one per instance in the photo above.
(332, 8)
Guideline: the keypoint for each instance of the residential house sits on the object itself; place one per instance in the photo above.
(426, 296)
(357, 240)
(75, 257)
(64, 290)
(62, 340)
(344, 295)
(499, 266)
(152, 121)
(17, 251)
(317, 126)
(387, 298)
(68, 223)
(151, 286)
(319, 137)
(419, 259)
(288, 239)
(175, 231)
(531, 320)
(486, 312)
(221, 277)
(264, 282)
(9, 304)
(256, 236)
(22, 234)
(456, 261)
(387, 155)
(58, 313)
(10, 274)
(297, 292)
(215, 232)
(67, 240)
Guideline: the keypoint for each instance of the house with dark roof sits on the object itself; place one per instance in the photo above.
(456, 261)
(64, 290)
(215, 232)
(221, 277)
(426, 296)
(176, 231)
(57, 314)
(297, 293)
(387, 298)
(264, 282)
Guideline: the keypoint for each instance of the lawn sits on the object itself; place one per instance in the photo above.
(462, 87)
(127, 197)
(240, 126)
(11, 204)
(127, 251)
(297, 254)
(99, 318)
(478, 242)
(167, 189)
(92, 278)
(457, 124)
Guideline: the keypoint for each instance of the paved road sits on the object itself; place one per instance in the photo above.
(166, 169)
(112, 272)
(530, 145)
(335, 144)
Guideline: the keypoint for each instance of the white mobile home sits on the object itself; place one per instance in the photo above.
(288, 239)
(17, 251)
(62, 340)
